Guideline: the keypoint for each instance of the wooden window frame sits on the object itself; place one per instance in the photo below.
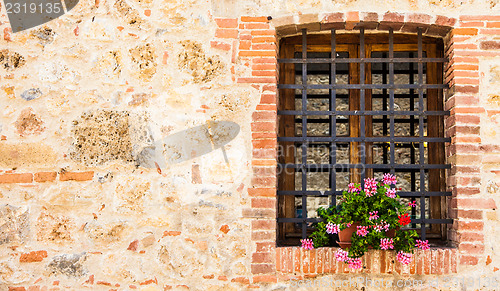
(354, 44)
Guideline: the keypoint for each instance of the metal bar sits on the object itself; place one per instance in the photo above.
(412, 133)
(326, 96)
(364, 86)
(359, 139)
(362, 106)
(421, 134)
(369, 166)
(369, 112)
(333, 119)
(304, 131)
(323, 193)
(391, 104)
(364, 60)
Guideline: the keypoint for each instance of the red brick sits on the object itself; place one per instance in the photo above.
(445, 21)
(263, 235)
(245, 45)
(264, 153)
(263, 224)
(220, 45)
(465, 31)
(265, 279)
(227, 22)
(262, 258)
(264, 247)
(264, 116)
(262, 192)
(262, 268)
(471, 237)
(266, 163)
(257, 26)
(419, 18)
(352, 16)
(263, 181)
(45, 177)
(226, 33)
(242, 280)
(252, 53)
(16, 178)
(470, 225)
(393, 17)
(264, 46)
(34, 256)
(256, 80)
(264, 203)
(476, 203)
(264, 73)
(263, 32)
(468, 260)
(264, 39)
(76, 176)
(471, 24)
(480, 17)
(493, 24)
(254, 19)
(333, 17)
(268, 99)
(490, 45)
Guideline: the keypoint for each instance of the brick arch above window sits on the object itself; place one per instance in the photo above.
(432, 25)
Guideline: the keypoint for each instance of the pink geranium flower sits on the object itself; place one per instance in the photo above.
(353, 188)
(391, 193)
(362, 230)
(332, 228)
(412, 203)
(404, 258)
(355, 263)
(422, 244)
(373, 215)
(307, 244)
(389, 179)
(341, 255)
(386, 243)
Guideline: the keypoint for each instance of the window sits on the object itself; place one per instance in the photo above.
(354, 106)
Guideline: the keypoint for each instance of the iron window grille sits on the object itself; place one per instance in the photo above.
(359, 105)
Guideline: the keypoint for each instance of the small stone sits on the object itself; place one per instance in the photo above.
(148, 240)
(133, 246)
(31, 94)
(70, 265)
(225, 228)
(14, 224)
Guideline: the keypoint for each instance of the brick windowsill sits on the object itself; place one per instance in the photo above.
(296, 261)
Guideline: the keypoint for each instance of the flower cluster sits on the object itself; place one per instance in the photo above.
(307, 244)
(389, 179)
(391, 193)
(404, 258)
(386, 243)
(382, 226)
(373, 215)
(422, 244)
(353, 188)
(332, 228)
(404, 219)
(370, 187)
(362, 230)
(379, 216)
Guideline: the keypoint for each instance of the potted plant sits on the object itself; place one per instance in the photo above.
(367, 217)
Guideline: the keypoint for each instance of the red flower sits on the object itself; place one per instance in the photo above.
(404, 219)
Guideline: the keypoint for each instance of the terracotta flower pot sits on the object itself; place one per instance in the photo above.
(346, 234)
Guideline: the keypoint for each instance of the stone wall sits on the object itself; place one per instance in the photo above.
(138, 144)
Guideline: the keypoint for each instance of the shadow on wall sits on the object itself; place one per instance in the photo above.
(189, 144)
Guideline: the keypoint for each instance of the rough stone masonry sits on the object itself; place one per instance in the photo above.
(138, 144)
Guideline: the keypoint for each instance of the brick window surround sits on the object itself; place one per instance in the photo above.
(254, 42)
